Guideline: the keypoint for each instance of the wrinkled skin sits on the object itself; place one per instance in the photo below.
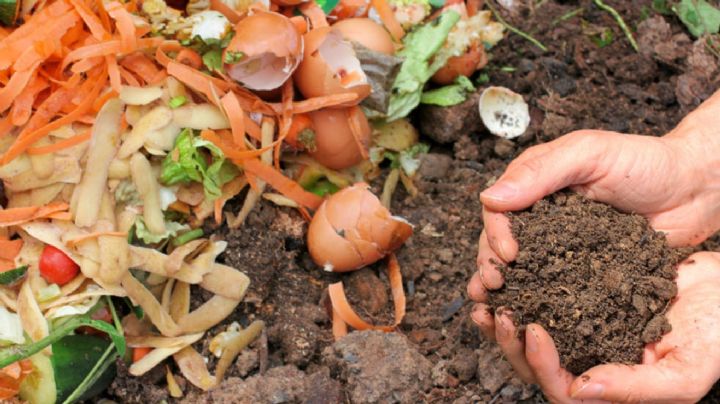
(674, 181)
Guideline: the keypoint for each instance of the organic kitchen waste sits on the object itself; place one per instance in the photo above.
(127, 126)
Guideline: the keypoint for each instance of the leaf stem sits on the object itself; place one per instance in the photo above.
(620, 22)
(514, 30)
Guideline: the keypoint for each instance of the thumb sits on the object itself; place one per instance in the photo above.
(637, 383)
(546, 168)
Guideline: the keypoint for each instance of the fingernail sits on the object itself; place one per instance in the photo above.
(531, 341)
(501, 192)
(503, 248)
(589, 391)
(477, 313)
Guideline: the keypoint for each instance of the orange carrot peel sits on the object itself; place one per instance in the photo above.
(344, 315)
(16, 216)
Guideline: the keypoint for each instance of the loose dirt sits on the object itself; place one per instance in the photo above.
(598, 280)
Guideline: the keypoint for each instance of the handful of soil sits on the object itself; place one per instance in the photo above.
(598, 280)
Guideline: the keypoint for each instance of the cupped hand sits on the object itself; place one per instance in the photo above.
(680, 368)
(664, 179)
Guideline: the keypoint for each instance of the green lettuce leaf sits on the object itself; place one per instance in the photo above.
(699, 16)
(452, 94)
(420, 47)
(148, 237)
(188, 162)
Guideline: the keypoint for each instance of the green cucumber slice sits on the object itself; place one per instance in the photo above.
(12, 276)
(73, 358)
(9, 10)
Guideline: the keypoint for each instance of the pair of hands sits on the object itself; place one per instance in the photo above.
(674, 181)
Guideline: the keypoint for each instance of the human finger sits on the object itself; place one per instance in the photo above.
(506, 335)
(497, 226)
(570, 160)
(667, 381)
(544, 360)
(476, 291)
(487, 262)
(482, 317)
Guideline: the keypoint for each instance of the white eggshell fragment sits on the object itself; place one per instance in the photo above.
(504, 112)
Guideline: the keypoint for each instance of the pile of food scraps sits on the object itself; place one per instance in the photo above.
(126, 126)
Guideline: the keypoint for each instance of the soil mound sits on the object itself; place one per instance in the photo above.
(597, 279)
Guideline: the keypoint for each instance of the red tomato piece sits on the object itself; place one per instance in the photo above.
(56, 267)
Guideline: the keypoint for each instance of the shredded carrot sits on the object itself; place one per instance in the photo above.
(106, 48)
(339, 327)
(5, 126)
(314, 13)
(305, 214)
(22, 107)
(103, 99)
(77, 240)
(229, 150)
(282, 184)
(300, 122)
(252, 128)
(189, 57)
(347, 315)
(125, 26)
(63, 144)
(387, 16)
(236, 117)
(26, 140)
(285, 119)
(9, 249)
(113, 73)
(142, 66)
(197, 80)
(140, 352)
(11, 377)
(91, 19)
(316, 103)
(473, 6)
(128, 77)
(15, 216)
(66, 216)
(15, 86)
(224, 9)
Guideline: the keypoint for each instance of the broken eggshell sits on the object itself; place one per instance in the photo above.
(503, 112)
(268, 49)
(342, 136)
(329, 67)
(367, 33)
(352, 229)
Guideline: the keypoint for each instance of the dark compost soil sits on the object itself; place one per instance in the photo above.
(598, 280)
(575, 85)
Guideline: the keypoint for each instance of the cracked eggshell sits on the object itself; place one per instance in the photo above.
(342, 136)
(272, 49)
(503, 112)
(352, 229)
(329, 67)
(367, 33)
